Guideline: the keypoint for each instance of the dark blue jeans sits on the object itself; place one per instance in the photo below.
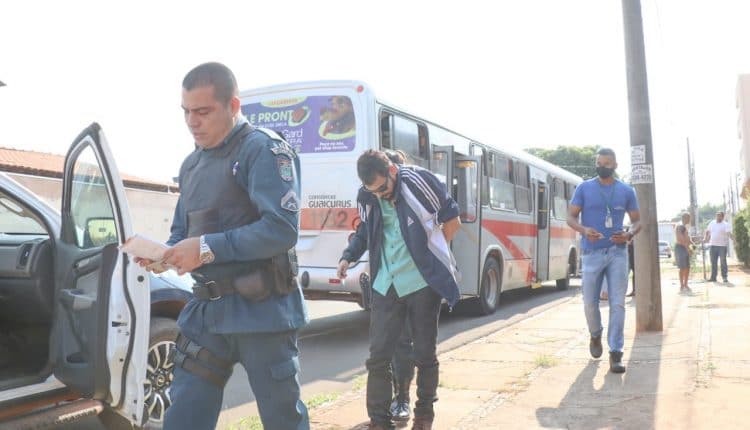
(403, 365)
(718, 252)
(388, 316)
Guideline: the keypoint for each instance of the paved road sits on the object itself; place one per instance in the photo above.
(333, 347)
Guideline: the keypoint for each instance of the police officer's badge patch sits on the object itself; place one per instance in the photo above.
(286, 170)
(290, 201)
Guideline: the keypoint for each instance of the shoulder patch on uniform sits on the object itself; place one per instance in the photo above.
(286, 169)
(290, 201)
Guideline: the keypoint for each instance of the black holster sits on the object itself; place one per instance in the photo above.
(276, 276)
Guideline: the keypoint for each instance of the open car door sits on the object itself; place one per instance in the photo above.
(101, 319)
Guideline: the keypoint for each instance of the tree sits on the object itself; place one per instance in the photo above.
(741, 239)
(706, 213)
(577, 159)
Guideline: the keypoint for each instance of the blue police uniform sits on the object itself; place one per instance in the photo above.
(243, 197)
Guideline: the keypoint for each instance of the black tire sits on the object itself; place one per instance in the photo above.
(564, 283)
(489, 289)
(161, 342)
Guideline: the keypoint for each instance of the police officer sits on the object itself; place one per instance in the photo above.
(234, 230)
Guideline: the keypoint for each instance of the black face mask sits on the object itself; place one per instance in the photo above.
(604, 172)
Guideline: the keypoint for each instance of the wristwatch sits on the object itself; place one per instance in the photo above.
(206, 255)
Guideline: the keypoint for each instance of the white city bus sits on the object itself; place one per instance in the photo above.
(513, 205)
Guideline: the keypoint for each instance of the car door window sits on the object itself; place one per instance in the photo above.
(16, 219)
(90, 203)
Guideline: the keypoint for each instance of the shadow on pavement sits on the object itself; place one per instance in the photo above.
(597, 400)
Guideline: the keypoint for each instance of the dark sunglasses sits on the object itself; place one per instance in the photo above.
(381, 189)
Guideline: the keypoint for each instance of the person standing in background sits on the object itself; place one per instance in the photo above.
(717, 235)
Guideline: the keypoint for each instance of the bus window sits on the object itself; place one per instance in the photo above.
(408, 137)
(466, 187)
(500, 183)
(571, 189)
(523, 187)
(440, 165)
(560, 204)
(385, 131)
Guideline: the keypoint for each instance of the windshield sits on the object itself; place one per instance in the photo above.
(316, 124)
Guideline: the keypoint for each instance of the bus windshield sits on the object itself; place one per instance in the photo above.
(315, 124)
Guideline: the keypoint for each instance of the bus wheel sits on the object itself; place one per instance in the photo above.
(562, 284)
(490, 289)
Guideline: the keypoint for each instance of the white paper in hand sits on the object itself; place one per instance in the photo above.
(143, 247)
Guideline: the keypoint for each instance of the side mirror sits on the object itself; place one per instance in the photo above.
(99, 232)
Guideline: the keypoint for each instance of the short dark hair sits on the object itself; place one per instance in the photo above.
(214, 74)
(371, 164)
(607, 152)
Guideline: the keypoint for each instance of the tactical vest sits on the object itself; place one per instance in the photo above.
(213, 201)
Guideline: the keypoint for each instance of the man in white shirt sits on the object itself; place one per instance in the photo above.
(717, 235)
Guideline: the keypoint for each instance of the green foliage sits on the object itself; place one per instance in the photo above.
(577, 159)
(706, 213)
(741, 238)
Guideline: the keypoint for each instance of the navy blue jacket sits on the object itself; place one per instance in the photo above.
(264, 171)
(422, 203)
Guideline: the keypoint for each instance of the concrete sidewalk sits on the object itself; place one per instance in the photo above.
(538, 373)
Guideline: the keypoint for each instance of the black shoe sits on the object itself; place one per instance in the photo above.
(726, 281)
(615, 362)
(595, 346)
(401, 412)
(712, 280)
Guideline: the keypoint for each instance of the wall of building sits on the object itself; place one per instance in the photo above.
(151, 211)
(743, 129)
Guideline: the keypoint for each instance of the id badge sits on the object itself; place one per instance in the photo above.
(608, 221)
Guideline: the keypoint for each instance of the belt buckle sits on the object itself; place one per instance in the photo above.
(208, 285)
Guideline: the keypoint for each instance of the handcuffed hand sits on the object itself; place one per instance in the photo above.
(342, 268)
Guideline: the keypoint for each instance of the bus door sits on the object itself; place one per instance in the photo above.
(541, 208)
(466, 243)
(442, 164)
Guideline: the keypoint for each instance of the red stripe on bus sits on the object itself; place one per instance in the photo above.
(337, 219)
(503, 229)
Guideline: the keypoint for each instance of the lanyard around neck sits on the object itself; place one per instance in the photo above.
(608, 199)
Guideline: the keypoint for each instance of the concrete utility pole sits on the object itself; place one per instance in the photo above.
(648, 311)
(693, 195)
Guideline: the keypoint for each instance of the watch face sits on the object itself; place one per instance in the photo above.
(206, 257)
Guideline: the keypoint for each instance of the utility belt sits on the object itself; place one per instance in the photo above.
(276, 276)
